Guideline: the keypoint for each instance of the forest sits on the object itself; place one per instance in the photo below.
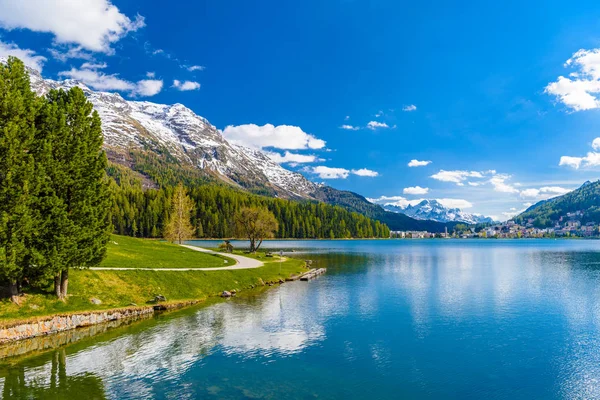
(141, 211)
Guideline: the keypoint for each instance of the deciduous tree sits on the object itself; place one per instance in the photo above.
(256, 224)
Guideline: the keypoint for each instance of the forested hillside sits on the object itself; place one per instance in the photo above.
(141, 212)
(585, 199)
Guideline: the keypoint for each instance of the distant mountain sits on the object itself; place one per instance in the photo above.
(173, 135)
(435, 211)
(546, 213)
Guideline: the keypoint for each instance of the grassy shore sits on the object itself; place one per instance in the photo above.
(122, 288)
(128, 252)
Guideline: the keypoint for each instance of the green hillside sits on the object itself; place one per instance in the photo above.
(585, 199)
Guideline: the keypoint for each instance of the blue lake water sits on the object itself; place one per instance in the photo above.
(431, 319)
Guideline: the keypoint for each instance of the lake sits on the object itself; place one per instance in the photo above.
(433, 319)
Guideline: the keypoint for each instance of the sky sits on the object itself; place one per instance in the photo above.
(487, 106)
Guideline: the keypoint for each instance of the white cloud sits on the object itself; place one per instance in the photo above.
(100, 81)
(528, 204)
(365, 172)
(92, 24)
(294, 158)
(573, 162)
(379, 114)
(457, 177)
(150, 74)
(330, 173)
(346, 118)
(186, 85)
(280, 137)
(500, 185)
(592, 159)
(64, 53)
(375, 125)
(415, 190)
(148, 87)
(29, 57)
(193, 68)
(349, 127)
(545, 192)
(581, 92)
(409, 108)
(417, 163)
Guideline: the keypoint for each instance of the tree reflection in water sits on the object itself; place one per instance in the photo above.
(19, 384)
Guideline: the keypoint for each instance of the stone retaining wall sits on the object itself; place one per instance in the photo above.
(41, 326)
(60, 323)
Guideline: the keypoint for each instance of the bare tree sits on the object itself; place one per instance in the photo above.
(255, 224)
(179, 227)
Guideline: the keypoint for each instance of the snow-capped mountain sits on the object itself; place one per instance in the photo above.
(190, 138)
(434, 210)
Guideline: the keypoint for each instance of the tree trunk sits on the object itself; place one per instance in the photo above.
(64, 284)
(252, 248)
(13, 289)
(57, 285)
(259, 243)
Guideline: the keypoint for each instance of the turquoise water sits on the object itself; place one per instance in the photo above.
(390, 319)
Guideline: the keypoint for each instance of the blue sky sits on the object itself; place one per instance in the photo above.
(475, 89)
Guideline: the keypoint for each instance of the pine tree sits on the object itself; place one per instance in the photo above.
(179, 227)
(18, 107)
(75, 198)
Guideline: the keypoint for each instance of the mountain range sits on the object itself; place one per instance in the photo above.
(176, 134)
(433, 210)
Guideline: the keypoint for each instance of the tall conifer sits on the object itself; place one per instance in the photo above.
(17, 178)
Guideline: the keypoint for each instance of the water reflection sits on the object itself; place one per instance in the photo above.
(516, 320)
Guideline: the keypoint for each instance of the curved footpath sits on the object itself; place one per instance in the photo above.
(241, 263)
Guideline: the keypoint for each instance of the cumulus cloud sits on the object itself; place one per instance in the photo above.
(365, 172)
(500, 185)
(292, 158)
(98, 80)
(417, 163)
(409, 108)
(579, 91)
(29, 57)
(376, 125)
(545, 192)
(92, 24)
(339, 173)
(456, 176)
(330, 173)
(150, 74)
(591, 159)
(349, 127)
(284, 137)
(186, 85)
(415, 190)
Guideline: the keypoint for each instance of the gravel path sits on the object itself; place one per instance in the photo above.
(241, 263)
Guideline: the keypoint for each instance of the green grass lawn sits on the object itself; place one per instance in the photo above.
(128, 252)
(121, 288)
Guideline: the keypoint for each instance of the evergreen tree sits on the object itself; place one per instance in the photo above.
(18, 107)
(74, 197)
(179, 227)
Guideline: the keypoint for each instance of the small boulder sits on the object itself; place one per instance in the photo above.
(132, 304)
(95, 301)
(226, 294)
(233, 291)
(159, 298)
(281, 281)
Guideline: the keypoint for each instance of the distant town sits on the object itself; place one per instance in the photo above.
(569, 225)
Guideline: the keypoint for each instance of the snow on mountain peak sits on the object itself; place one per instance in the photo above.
(185, 135)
